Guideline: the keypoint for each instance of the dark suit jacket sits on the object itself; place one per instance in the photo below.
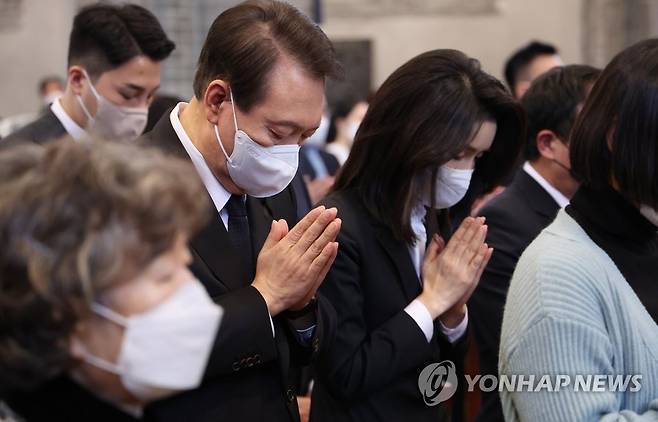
(61, 399)
(46, 128)
(305, 167)
(248, 374)
(515, 218)
(370, 370)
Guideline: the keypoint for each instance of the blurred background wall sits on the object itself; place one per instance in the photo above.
(373, 36)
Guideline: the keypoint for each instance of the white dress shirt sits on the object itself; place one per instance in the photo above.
(218, 194)
(71, 127)
(416, 309)
(561, 200)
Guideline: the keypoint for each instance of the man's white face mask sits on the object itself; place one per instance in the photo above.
(112, 122)
(259, 171)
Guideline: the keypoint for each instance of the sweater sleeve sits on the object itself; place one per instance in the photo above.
(558, 346)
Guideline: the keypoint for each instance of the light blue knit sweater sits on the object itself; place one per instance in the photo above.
(570, 311)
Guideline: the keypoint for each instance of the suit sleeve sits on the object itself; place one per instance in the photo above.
(359, 359)
(245, 337)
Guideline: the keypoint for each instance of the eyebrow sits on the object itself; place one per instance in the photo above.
(289, 124)
(138, 87)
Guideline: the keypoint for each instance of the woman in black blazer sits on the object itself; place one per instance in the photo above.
(401, 307)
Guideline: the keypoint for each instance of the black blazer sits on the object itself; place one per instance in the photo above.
(248, 374)
(61, 399)
(370, 370)
(305, 167)
(515, 218)
(46, 128)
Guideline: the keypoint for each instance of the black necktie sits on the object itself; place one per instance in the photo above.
(238, 230)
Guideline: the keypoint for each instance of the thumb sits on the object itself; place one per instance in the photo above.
(435, 248)
(277, 232)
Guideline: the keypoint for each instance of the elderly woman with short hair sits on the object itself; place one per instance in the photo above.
(99, 314)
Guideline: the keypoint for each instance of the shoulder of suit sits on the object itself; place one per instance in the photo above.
(45, 128)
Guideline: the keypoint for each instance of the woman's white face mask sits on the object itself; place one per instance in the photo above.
(165, 349)
(451, 186)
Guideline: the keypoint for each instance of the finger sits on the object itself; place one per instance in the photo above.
(463, 227)
(478, 260)
(327, 267)
(441, 243)
(471, 241)
(298, 231)
(315, 231)
(478, 275)
(434, 249)
(274, 236)
(328, 235)
(322, 261)
(487, 258)
(457, 243)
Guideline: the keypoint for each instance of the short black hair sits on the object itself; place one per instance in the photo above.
(105, 36)
(551, 102)
(615, 138)
(245, 42)
(523, 57)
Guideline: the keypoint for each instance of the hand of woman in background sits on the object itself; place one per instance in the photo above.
(451, 272)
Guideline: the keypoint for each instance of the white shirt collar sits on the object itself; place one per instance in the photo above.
(71, 127)
(218, 194)
(561, 200)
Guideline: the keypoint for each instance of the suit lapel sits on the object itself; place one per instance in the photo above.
(214, 248)
(538, 199)
(399, 254)
(212, 244)
(260, 221)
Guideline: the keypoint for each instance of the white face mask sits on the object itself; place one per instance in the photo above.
(450, 188)
(319, 137)
(112, 122)
(165, 350)
(260, 171)
(650, 214)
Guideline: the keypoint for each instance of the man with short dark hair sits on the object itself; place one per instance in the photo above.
(541, 187)
(258, 93)
(527, 63)
(113, 72)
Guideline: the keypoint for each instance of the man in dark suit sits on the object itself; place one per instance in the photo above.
(540, 188)
(113, 72)
(258, 93)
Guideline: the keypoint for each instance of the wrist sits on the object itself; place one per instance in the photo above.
(453, 317)
(274, 306)
(434, 307)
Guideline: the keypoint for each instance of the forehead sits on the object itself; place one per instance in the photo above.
(292, 95)
(139, 70)
(484, 136)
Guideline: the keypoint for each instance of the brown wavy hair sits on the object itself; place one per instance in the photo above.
(75, 219)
